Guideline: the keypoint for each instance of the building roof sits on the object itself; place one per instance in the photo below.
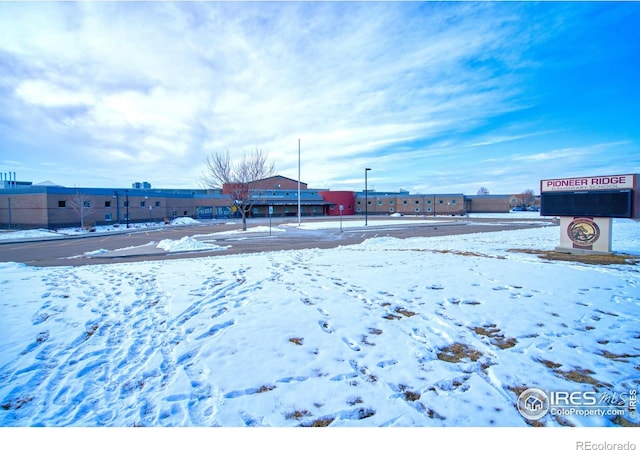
(277, 177)
(48, 183)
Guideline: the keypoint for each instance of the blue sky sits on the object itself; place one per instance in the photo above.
(433, 97)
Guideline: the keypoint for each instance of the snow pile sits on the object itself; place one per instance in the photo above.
(186, 244)
(98, 252)
(184, 221)
(27, 234)
(261, 229)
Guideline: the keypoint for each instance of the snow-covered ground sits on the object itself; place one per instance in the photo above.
(420, 333)
(103, 229)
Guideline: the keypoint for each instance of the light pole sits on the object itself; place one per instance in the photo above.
(117, 197)
(366, 198)
(127, 204)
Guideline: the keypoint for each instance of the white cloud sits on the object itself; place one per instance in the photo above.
(389, 84)
(41, 92)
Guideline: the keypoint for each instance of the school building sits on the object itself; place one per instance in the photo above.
(46, 205)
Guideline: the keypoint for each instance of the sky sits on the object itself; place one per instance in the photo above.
(433, 97)
(286, 339)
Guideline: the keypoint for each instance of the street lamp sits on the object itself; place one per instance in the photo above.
(127, 204)
(366, 197)
(117, 197)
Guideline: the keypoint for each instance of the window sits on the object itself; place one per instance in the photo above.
(391, 202)
(157, 204)
(107, 217)
(62, 204)
(428, 202)
(404, 202)
(454, 201)
(86, 204)
(417, 210)
(441, 202)
(126, 204)
(417, 202)
(379, 202)
(142, 203)
(107, 204)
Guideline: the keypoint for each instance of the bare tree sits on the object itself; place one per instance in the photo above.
(527, 197)
(483, 191)
(238, 178)
(82, 205)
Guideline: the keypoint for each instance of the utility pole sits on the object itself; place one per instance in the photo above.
(299, 200)
(366, 198)
(127, 200)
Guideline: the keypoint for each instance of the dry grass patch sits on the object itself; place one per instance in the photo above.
(323, 422)
(265, 388)
(17, 403)
(457, 352)
(468, 253)
(297, 414)
(582, 376)
(91, 331)
(518, 390)
(296, 340)
(577, 375)
(624, 422)
(411, 396)
(405, 312)
(497, 339)
(617, 357)
(604, 259)
(549, 364)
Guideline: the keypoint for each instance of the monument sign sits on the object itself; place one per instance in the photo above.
(586, 206)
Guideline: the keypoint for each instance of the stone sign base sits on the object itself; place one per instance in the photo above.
(582, 235)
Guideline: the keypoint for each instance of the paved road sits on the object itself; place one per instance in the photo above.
(70, 251)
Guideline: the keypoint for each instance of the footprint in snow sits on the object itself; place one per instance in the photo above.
(326, 327)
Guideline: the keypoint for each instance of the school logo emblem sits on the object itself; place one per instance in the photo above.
(583, 231)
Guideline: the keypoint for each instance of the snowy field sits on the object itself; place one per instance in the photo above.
(419, 333)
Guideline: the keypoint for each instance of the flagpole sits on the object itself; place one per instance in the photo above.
(299, 201)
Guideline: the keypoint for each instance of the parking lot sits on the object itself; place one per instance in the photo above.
(134, 245)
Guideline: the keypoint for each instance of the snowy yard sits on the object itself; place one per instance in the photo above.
(423, 332)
